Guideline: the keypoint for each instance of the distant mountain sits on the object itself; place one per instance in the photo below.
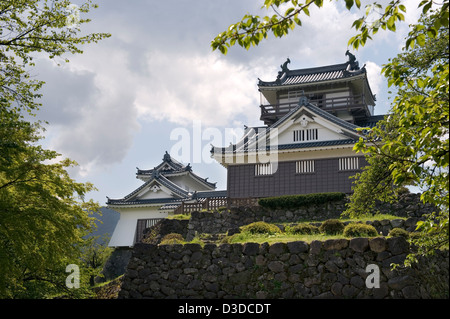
(106, 223)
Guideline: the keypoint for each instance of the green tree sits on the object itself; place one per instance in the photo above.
(43, 214)
(95, 253)
(410, 147)
(412, 141)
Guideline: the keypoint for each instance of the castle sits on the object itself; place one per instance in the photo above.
(312, 119)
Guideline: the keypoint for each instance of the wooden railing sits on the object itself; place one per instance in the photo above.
(143, 224)
(331, 104)
(242, 202)
(215, 203)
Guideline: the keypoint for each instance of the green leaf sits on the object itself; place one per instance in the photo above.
(349, 4)
(319, 3)
(391, 24)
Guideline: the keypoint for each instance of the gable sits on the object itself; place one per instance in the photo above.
(305, 124)
(153, 190)
(313, 132)
(307, 127)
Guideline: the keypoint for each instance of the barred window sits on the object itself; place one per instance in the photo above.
(348, 163)
(306, 135)
(304, 166)
(263, 169)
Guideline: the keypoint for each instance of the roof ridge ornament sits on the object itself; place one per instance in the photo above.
(303, 100)
(155, 173)
(284, 70)
(353, 65)
(167, 157)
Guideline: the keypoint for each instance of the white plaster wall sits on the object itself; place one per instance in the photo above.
(150, 194)
(123, 235)
(324, 134)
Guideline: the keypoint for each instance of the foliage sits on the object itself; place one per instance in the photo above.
(303, 229)
(412, 142)
(399, 232)
(94, 254)
(252, 29)
(360, 230)
(332, 227)
(27, 27)
(180, 216)
(261, 228)
(43, 214)
(172, 238)
(296, 201)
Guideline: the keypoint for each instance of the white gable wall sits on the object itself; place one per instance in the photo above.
(124, 233)
(152, 192)
(324, 134)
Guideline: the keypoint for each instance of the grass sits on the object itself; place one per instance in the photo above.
(246, 237)
(179, 216)
(359, 219)
(372, 218)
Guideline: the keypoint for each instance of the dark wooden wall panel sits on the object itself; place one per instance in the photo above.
(242, 181)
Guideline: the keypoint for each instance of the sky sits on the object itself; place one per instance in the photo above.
(156, 85)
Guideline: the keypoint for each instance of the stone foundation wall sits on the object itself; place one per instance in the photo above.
(329, 269)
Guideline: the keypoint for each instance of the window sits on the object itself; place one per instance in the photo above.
(306, 135)
(302, 167)
(263, 169)
(348, 163)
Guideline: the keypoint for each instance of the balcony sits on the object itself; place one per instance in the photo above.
(354, 104)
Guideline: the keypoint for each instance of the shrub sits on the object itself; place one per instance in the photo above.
(297, 201)
(332, 227)
(171, 239)
(360, 230)
(399, 232)
(304, 229)
(261, 228)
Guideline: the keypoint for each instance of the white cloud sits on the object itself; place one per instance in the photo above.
(89, 109)
(374, 76)
(208, 88)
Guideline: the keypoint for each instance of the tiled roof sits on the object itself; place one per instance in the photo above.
(295, 146)
(371, 121)
(152, 201)
(168, 203)
(311, 75)
(175, 168)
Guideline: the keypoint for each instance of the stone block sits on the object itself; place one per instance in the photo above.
(397, 245)
(297, 247)
(315, 247)
(276, 266)
(378, 244)
(277, 248)
(359, 244)
(250, 249)
(335, 244)
(400, 282)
